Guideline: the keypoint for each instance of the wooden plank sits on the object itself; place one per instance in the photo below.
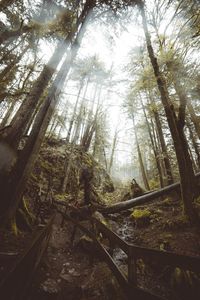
(166, 257)
(130, 291)
(132, 271)
(85, 230)
(18, 279)
(112, 236)
(115, 269)
(136, 293)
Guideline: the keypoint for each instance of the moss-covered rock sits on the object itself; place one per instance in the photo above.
(141, 217)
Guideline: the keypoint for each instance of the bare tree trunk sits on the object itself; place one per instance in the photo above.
(5, 3)
(194, 143)
(8, 115)
(166, 160)
(79, 117)
(74, 112)
(155, 150)
(144, 175)
(194, 117)
(113, 151)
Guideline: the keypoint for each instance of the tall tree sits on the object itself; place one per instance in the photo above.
(176, 125)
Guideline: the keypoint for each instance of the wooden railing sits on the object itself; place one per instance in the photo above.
(15, 284)
(129, 283)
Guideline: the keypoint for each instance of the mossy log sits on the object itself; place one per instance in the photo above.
(120, 206)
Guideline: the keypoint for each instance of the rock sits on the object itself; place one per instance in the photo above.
(71, 271)
(66, 277)
(50, 285)
(141, 217)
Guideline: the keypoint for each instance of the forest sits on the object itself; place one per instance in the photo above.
(99, 149)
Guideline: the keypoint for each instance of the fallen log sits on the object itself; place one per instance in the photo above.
(142, 199)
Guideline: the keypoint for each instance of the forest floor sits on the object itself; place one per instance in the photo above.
(76, 270)
(162, 226)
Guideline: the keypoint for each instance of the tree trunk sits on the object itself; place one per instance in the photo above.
(5, 3)
(79, 117)
(8, 115)
(120, 206)
(24, 165)
(194, 142)
(194, 117)
(113, 151)
(155, 150)
(20, 120)
(166, 160)
(14, 133)
(187, 178)
(144, 176)
(74, 112)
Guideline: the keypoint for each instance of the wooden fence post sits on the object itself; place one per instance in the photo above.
(132, 270)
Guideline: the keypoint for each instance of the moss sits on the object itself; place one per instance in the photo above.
(60, 197)
(140, 213)
(154, 184)
(27, 210)
(14, 228)
(141, 217)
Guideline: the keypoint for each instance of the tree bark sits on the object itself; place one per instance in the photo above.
(187, 178)
(166, 160)
(112, 151)
(74, 112)
(142, 168)
(155, 150)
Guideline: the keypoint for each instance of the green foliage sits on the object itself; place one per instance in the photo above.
(60, 197)
(153, 183)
